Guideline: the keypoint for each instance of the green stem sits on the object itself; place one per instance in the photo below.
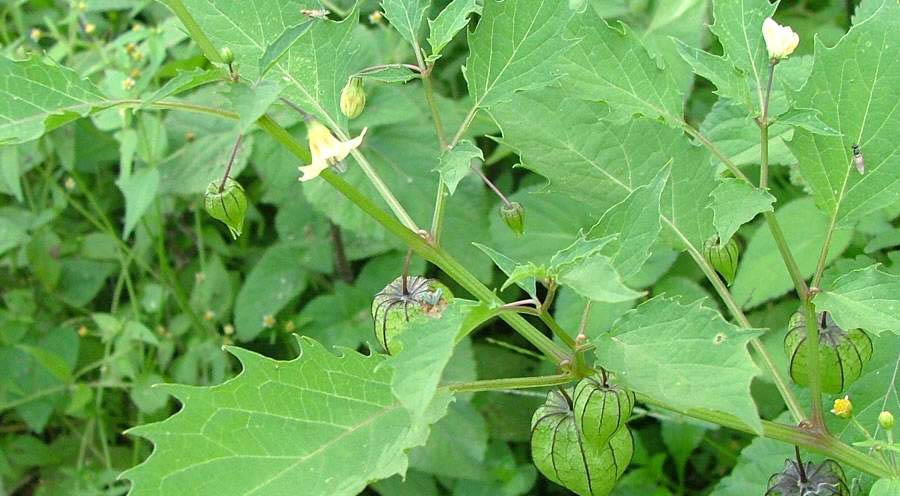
(511, 383)
(558, 331)
(464, 126)
(789, 261)
(811, 440)
(813, 370)
(431, 253)
(194, 30)
(385, 192)
(440, 200)
(715, 151)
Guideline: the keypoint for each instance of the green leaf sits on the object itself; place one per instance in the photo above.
(425, 349)
(50, 361)
(515, 47)
(762, 275)
(596, 279)
(508, 266)
(140, 191)
(456, 163)
(635, 222)
(457, 445)
(275, 280)
(738, 26)
(324, 423)
(684, 355)
(730, 83)
(281, 45)
(251, 102)
(735, 203)
(183, 81)
(598, 163)
(450, 21)
(191, 168)
(312, 70)
(37, 96)
(612, 65)
(885, 487)
(859, 100)
(868, 299)
(406, 16)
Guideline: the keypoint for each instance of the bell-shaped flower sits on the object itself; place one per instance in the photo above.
(326, 150)
(780, 40)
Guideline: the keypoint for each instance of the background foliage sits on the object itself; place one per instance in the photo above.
(115, 280)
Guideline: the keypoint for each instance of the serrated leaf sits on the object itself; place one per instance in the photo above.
(736, 135)
(327, 424)
(662, 348)
(515, 47)
(406, 16)
(599, 163)
(762, 275)
(611, 64)
(580, 249)
(635, 222)
(738, 26)
(730, 83)
(37, 97)
(867, 298)
(735, 203)
(856, 87)
(456, 162)
(314, 67)
(450, 21)
(508, 266)
(277, 278)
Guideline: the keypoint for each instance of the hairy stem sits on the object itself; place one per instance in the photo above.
(813, 371)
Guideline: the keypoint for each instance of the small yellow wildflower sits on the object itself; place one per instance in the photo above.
(780, 40)
(376, 17)
(289, 326)
(268, 321)
(843, 408)
(326, 150)
(209, 315)
(228, 329)
(82, 331)
(135, 73)
(69, 184)
(36, 34)
(90, 27)
(128, 84)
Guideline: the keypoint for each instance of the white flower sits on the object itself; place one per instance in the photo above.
(326, 150)
(780, 40)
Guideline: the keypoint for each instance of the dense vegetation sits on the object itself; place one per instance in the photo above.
(628, 247)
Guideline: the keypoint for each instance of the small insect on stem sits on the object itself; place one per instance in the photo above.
(858, 160)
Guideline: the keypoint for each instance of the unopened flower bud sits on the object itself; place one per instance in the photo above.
(514, 216)
(227, 55)
(780, 40)
(353, 98)
(723, 257)
(886, 419)
(227, 205)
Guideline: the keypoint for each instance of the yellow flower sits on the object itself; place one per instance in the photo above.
(268, 321)
(326, 150)
(90, 27)
(780, 40)
(209, 315)
(36, 34)
(843, 408)
(128, 84)
(228, 329)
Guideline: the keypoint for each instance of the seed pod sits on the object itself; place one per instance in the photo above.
(886, 420)
(353, 98)
(228, 205)
(564, 456)
(514, 216)
(395, 306)
(601, 410)
(810, 479)
(842, 354)
(723, 257)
